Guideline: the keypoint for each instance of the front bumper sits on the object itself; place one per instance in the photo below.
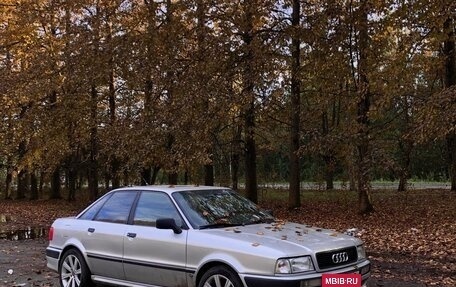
(307, 280)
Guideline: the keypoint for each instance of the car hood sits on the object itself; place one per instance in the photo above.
(291, 239)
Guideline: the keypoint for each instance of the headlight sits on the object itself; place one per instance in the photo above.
(361, 252)
(294, 265)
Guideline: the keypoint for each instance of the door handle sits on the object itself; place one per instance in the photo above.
(131, 235)
(91, 230)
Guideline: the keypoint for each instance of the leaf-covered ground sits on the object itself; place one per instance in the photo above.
(411, 237)
(20, 214)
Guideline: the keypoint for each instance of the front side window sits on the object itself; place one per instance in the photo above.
(152, 206)
(117, 207)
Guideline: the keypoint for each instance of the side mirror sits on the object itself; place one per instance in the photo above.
(168, 223)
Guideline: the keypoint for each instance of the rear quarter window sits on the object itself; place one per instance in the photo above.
(90, 212)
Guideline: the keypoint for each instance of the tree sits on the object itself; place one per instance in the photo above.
(363, 157)
(295, 108)
(248, 96)
(449, 82)
(435, 118)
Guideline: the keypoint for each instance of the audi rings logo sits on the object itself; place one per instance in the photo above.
(339, 257)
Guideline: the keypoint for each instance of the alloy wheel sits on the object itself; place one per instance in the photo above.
(218, 280)
(71, 271)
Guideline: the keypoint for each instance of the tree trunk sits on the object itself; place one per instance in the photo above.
(146, 176)
(55, 184)
(251, 187)
(33, 186)
(451, 146)
(172, 178)
(115, 162)
(8, 178)
(364, 161)
(294, 199)
(148, 90)
(21, 151)
(93, 158)
(330, 165)
(405, 144)
(403, 182)
(363, 178)
(72, 176)
(107, 179)
(328, 155)
(449, 53)
(154, 174)
(126, 178)
(406, 149)
(93, 168)
(114, 172)
(202, 75)
(21, 184)
(235, 157)
(41, 184)
(248, 94)
(209, 174)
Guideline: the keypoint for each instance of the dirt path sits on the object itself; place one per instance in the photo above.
(26, 261)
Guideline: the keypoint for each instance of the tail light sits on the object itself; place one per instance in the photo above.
(51, 233)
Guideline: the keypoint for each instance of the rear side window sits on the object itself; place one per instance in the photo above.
(117, 208)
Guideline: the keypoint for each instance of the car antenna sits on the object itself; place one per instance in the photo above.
(145, 181)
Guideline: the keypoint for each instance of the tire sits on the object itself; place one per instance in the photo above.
(220, 276)
(73, 270)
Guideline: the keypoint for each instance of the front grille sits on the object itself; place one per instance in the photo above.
(337, 257)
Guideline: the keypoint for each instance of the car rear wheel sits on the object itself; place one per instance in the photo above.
(220, 276)
(73, 270)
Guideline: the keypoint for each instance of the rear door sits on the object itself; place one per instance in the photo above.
(155, 256)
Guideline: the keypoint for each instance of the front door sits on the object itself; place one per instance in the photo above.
(155, 256)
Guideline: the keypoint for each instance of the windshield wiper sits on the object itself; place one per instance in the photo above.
(218, 225)
(262, 220)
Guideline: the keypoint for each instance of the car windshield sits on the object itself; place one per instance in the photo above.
(219, 208)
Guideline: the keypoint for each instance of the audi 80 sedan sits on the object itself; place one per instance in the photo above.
(194, 236)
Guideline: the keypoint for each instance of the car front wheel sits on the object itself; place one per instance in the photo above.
(220, 277)
(73, 270)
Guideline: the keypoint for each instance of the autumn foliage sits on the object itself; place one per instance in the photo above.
(224, 92)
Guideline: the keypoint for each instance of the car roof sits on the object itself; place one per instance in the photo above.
(170, 188)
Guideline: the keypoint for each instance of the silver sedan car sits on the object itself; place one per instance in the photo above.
(192, 236)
